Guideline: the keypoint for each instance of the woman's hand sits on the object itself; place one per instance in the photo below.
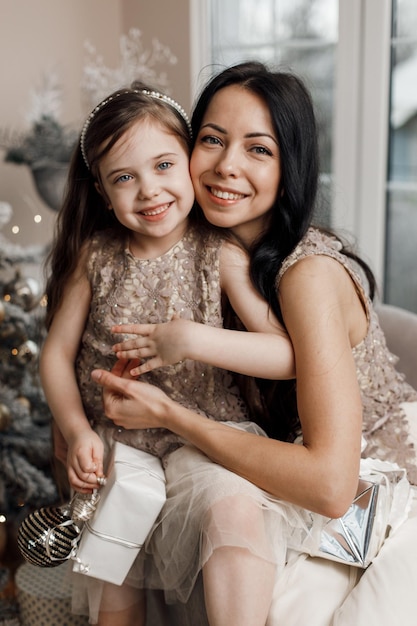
(128, 402)
(159, 344)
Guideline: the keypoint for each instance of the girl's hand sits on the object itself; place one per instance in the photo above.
(159, 344)
(85, 461)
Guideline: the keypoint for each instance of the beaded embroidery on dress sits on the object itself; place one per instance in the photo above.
(383, 388)
(184, 281)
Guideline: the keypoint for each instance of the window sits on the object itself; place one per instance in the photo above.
(356, 57)
(296, 35)
(401, 232)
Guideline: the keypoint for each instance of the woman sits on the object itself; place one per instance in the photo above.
(254, 169)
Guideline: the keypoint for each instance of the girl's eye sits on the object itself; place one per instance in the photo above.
(123, 178)
(165, 165)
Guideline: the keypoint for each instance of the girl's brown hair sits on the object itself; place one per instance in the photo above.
(84, 210)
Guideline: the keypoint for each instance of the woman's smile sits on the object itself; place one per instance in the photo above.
(235, 164)
(225, 195)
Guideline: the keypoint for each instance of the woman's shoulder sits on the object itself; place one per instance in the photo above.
(319, 243)
(314, 242)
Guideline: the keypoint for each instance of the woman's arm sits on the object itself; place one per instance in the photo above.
(266, 352)
(85, 450)
(322, 312)
(266, 355)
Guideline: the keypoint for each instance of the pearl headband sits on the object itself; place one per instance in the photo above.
(152, 94)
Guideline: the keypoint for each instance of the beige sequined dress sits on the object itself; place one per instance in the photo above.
(125, 289)
(385, 394)
(184, 281)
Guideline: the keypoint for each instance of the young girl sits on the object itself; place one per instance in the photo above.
(127, 250)
(255, 172)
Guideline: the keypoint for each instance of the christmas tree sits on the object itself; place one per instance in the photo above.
(26, 474)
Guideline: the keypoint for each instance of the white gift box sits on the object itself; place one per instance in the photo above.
(129, 504)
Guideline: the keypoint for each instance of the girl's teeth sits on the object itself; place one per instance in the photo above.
(156, 211)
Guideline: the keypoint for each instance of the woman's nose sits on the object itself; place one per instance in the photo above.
(228, 163)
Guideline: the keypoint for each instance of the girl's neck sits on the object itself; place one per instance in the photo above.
(143, 247)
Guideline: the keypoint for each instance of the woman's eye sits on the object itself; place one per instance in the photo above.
(211, 140)
(261, 150)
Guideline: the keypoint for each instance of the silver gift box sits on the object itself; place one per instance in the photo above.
(351, 538)
(381, 505)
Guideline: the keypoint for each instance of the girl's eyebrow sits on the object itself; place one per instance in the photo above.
(247, 136)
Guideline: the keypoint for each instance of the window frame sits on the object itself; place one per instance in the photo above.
(361, 129)
(361, 110)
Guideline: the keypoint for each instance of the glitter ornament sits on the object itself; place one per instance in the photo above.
(48, 537)
(23, 292)
(27, 352)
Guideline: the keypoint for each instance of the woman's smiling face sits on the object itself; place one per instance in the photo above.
(235, 166)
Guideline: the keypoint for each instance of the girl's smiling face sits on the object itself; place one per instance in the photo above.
(235, 166)
(146, 181)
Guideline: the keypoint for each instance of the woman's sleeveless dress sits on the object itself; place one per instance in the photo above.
(319, 592)
(388, 400)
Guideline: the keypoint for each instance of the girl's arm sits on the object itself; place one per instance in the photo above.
(325, 319)
(85, 450)
(266, 352)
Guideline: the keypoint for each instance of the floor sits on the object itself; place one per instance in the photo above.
(10, 560)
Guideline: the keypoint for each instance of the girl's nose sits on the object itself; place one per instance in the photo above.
(148, 188)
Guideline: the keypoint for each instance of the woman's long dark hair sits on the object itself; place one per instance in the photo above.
(292, 115)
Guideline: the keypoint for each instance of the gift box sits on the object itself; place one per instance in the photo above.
(380, 507)
(44, 596)
(129, 504)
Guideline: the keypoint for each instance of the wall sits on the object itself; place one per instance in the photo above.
(38, 36)
(168, 22)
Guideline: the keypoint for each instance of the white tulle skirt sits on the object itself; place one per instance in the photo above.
(207, 507)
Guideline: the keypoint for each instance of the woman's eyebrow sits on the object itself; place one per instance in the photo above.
(214, 127)
(247, 136)
(261, 134)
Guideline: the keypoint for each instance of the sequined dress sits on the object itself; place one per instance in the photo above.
(125, 289)
(183, 281)
(384, 391)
